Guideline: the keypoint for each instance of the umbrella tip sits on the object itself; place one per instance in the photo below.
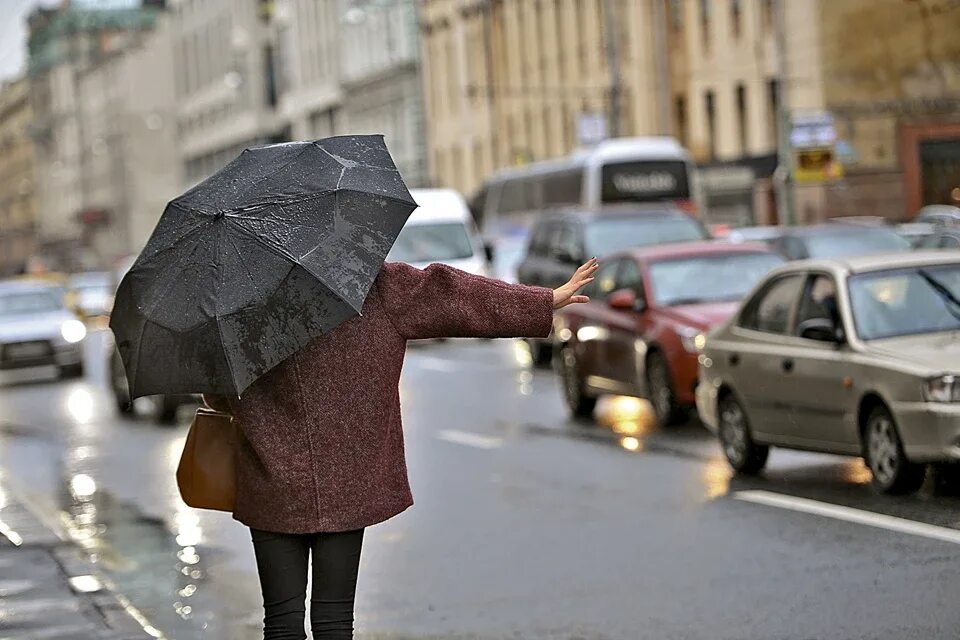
(218, 215)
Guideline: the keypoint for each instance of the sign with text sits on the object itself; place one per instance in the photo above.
(644, 181)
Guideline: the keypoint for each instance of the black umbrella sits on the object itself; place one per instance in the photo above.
(278, 247)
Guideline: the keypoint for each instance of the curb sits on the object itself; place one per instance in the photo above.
(50, 589)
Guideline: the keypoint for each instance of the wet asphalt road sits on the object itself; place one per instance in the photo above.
(526, 525)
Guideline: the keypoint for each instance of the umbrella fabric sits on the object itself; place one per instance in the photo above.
(280, 246)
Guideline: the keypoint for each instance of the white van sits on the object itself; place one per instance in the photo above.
(441, 230)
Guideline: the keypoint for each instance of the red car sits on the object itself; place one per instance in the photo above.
(648, 312)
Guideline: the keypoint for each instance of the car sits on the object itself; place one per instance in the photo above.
(442, 230)
(90, 294)
(836, 239)
(36, 329)
(945, 214)
(648, 311)
(560, 242)
(506, 252)
(856, 356)
(164, 408)
(942, 237)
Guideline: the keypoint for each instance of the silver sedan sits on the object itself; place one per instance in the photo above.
(36, 329)
(856, 356)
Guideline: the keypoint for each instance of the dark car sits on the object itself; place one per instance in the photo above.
(941, 238)
(834, 240)
(647, 318)
(560, 242)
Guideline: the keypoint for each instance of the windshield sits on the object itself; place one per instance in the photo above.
(902, 302)
(27, 302)
(720, 278)
(861, 241)
(607, 235)
(431, 243)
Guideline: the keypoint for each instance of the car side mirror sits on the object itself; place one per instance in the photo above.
(822, 330)
(626, 300)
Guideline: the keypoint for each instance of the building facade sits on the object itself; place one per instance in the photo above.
(225, 81)
(18, 197)
(507, 81)
(128, 155)
(63, 44)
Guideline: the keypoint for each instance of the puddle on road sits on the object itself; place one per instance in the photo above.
(183, 587)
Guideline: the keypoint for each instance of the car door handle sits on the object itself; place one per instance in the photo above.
(734, 359)
(787, 365)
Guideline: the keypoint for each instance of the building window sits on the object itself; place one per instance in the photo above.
(675, 8)
(680, 118)
(742, 117)
(736, 17)
(710, 109)
(773, 103)
(705, 23)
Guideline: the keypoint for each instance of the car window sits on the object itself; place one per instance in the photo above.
(793, 248)
(819, 301)
(431, 243)
(539, 240)
(929, 242)
(605, 282)
(567, 241)
(950, 242)
(769, 310)
(606, 235)
(630, 277)
(27, 302)
(863, 240)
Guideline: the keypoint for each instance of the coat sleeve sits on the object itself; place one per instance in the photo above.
(444, 302)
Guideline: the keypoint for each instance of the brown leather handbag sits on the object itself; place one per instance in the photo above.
(206, 474)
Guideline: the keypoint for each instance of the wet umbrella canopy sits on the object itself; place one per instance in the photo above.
(280, 246)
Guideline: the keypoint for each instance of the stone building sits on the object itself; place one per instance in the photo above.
(64, 43)
(506, 80)
(18, 203)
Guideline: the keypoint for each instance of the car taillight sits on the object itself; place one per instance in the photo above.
(687, 205)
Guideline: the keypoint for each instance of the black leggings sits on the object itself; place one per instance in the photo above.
(282, 565)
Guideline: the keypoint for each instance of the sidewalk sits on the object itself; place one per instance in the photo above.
(49, 590)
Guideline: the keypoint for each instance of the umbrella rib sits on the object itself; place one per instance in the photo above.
(341, 161)
(286, 254)
(216, 314)
(278, 169)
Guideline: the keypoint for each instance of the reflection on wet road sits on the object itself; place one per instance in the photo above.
(527, 524)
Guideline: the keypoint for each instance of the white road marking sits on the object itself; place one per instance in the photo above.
(849, 514)
(470, 439)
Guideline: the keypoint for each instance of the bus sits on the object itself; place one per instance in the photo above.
(621, 170)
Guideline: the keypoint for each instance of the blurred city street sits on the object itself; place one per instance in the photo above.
(527, 525)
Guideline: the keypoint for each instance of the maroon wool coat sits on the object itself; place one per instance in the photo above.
(323, 444)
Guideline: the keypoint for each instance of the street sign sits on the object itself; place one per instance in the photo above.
(813, 139)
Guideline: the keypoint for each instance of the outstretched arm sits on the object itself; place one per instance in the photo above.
(443, 302)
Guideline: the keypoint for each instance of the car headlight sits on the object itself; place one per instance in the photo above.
(73, 331)
(942, 389)
(693, 341)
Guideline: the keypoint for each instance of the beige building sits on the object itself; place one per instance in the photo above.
(128, 156)
(64, 43)
(18, 206)
(506, 81)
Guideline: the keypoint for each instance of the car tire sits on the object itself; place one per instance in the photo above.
(579, 403)
(660, 391)
(540, 353)
(891, 472)
(733, 430)
(71, 371)
(165, 409)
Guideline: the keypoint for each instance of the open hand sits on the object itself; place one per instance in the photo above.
(566, 294)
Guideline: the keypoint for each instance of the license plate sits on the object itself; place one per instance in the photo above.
(26, 350)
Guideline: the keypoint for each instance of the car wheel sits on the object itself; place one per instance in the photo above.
(539, 352)
(71, 371)
(580, 404)
(165, 409)
(892, 472)
(660, 389)
(743, 454)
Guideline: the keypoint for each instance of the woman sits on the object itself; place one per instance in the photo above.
(322, 453)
